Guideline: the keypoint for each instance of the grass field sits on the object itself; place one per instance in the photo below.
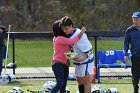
(72, 85)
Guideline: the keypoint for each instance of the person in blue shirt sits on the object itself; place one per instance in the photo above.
(132, 38)
(2, 47)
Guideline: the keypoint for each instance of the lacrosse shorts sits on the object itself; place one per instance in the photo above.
(85, 67)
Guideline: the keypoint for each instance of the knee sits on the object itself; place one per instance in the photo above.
(86, 81)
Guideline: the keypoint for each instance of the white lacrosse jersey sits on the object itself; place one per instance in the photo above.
(82, 46)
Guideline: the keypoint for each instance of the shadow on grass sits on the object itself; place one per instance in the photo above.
(17, 83)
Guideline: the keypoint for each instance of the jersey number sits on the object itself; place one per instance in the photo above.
(107, 53)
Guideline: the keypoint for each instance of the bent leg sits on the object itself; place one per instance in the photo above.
(84, 84)
(80, 84)
(87, 84)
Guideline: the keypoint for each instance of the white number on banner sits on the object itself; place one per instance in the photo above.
(107, 53)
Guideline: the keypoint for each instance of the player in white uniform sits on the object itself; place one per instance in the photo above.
(84, 63)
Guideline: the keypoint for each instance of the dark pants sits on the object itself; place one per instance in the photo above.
(61, 73)
(135, 72)
(2, 53)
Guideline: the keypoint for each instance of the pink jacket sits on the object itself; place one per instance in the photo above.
(61, 46)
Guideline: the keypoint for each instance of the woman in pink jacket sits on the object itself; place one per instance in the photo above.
(60, 64)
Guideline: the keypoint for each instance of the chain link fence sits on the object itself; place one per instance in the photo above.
(33, 53)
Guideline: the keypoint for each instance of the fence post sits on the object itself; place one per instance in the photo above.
(13, 49)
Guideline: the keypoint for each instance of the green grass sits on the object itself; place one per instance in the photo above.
(72, 85)
(39, 52)
(32, 53)
(110, 44)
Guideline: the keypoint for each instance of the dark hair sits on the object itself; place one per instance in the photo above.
(66, 21)
(3, 28)
(57, 31)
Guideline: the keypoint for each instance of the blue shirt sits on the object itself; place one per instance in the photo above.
(2, 47)
(1, 40)
(132, 38)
